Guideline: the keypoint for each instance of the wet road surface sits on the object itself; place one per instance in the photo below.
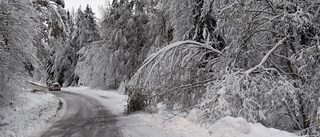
(84, 116)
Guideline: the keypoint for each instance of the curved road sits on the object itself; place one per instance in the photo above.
(84, 117)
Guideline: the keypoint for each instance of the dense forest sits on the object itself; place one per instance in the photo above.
(257, 59)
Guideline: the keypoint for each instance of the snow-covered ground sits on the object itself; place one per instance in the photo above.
(38, 113)
(33, 113)
(180, 126)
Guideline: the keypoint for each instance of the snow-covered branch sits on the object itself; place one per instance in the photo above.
(272, 7)
(158, 56)
(264, 59)
(261, 11)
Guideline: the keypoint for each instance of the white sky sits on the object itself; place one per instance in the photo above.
(69, 4)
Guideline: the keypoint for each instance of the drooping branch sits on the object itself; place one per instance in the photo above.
(159, 55)
(264, 59)
(192, 85)
(177, 44)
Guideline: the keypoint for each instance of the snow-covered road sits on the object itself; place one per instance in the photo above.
(90, 112)
(83, 116)
(97, 114)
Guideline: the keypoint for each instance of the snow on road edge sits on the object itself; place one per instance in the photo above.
(179, 126)
(40, 109)
(28, 119)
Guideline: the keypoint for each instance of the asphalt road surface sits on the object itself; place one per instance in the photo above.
(84, 116)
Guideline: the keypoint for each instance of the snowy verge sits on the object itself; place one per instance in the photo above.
(230, 127)
(40, 109)
(177, 126)
(29, 118)
(225, 127)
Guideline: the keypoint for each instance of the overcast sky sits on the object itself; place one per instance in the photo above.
(93, 3)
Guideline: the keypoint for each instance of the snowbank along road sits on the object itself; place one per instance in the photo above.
(97, 113)
(84, 116)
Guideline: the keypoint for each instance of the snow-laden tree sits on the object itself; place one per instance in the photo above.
(267, 40)
(64, 34)
(170, 76)
(86, 28)
(124, 29)
(84, 32)
(267, 71)
(128, 33)
(187, 20)
(93, 66)
(54, 36)
(18, 55)
(255, 59)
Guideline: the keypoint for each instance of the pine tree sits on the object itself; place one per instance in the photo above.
(86, 27)
(84, 31)
(91, 25)
(124, 27)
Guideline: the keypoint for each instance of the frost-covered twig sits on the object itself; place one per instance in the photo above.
(272, 7)
(293, 117)
(260, 11)
(284, 57)
(227, 7)
(174, 115)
